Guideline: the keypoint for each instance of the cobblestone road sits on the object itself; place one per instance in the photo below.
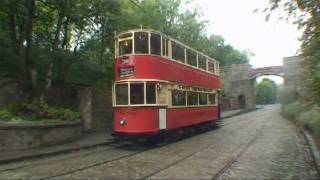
(259, 144)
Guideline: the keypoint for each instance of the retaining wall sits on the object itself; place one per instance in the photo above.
(32, 135)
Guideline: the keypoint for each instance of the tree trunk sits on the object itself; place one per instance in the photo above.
(30, 67)
(55, 47)
(16, 37)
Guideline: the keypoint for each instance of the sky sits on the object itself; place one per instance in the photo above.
(237, 23)
(245, 29)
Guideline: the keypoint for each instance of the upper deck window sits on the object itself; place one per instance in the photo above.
(177, 52)
(141, 43)
(191, 58)
(125, 47)
(211, 66)
(165, 47)
(202, 62)
(126, 35)
(155, 44)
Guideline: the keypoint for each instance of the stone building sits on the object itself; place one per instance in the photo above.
(237, 87)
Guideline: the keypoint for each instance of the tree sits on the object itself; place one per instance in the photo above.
(266, 92)
(307, 16)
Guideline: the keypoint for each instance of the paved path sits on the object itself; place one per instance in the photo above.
(259, 144)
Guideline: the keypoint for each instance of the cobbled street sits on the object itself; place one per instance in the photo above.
(256, 145)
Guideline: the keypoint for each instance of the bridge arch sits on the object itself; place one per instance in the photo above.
(272, 70)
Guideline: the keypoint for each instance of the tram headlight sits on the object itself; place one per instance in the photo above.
(122, 122)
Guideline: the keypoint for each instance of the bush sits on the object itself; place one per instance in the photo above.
(35, 111)
(292, 111)
(311, 119)
(287, 95)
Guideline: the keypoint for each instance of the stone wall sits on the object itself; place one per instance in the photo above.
(102, 111)
(25, 136)
(96, 107)
(8, 91)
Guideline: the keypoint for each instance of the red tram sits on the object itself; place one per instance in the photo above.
(161, 85)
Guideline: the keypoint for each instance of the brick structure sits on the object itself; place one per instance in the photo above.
(238, 81)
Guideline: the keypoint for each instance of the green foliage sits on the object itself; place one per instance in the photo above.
(6, 115)
(311, 119)
(292, 110)
(287, 95)
(266, 92)
(83, 40)
(35, 111)
(306, 15)
(184, 25)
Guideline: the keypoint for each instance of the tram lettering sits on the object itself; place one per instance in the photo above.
(126, 71)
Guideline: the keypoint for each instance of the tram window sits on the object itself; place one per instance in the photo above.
(151, 93)
(125, 47)
(121, 94)
(122, 36)
(211, 66)
(156, 44)
(202, 62)
(141, 42)
(116, 47)
(136, 93)
(192, 98)
(164, 47)
(191, 58)
(203, 99)
(177, 52)
(212, 98)
(178, 98)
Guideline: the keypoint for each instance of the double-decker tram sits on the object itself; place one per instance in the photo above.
(161, 85)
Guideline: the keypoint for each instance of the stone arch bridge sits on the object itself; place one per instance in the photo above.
(238, 81)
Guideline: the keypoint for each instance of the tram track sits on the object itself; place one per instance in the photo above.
(237, 156)
(71, 155)
(108, 147)
(113, 147)
(106, 161)
(127, 155)
(222, 170)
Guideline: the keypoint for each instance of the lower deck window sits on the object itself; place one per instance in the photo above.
(192, 98)
(178, 98)
(203, 100)
(212, 98)
(121, 94)
(139, 93)
(136, 93)
(150, 93)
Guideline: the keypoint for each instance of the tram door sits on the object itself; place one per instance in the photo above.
(162, 118)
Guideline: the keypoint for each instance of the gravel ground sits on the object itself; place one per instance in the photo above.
(256, 145)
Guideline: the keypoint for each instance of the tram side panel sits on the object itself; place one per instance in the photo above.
(136, 120)
(183, 117)
(153, 67)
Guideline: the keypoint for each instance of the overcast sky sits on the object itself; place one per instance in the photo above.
(236, 21)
